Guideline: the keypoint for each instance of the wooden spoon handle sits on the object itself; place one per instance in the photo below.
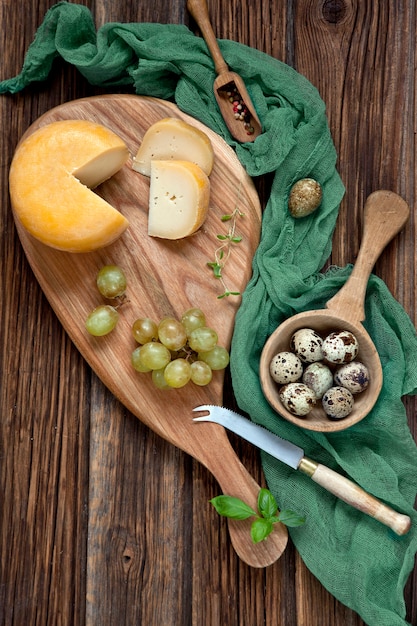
(385, 214)
(199, 11)
(354, 495)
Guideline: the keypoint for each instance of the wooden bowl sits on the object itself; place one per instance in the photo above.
(385, 214)
(323, 322)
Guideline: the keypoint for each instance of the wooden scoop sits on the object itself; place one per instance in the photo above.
(164, 278)
(226, 81)
(385, 214)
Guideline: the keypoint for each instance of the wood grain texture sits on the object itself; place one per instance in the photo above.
(164, 278)
(67, 444)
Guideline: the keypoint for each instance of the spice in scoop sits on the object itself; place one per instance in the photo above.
(240, 110)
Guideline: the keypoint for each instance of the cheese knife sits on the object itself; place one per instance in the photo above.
(294, 456)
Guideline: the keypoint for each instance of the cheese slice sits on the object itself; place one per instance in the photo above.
(172, 138)
(178, 199)
(51, 177)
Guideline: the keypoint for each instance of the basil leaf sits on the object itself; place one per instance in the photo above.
(229, 506)
(290, 518)
(260, 529)
(267, 504)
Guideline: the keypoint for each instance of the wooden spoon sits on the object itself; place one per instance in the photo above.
(164, 278)
(385, 214)
(226, 81)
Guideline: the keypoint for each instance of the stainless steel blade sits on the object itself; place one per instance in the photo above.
(292, 455)
(277, 447)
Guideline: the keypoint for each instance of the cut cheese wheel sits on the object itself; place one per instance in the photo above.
(51, 176)
(172, 138)
(178, 199)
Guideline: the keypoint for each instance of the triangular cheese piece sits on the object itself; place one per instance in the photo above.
(178, 199)
(174, 139)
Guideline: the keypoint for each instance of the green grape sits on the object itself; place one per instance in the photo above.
(137, 363)
(111, 281)
(192, 319)
(172, 333)
(177, 373)
(202, 339)
(217, 358)
(158, 379)
(201, 373)
(154, 355)
(102, 320)
(144, 330)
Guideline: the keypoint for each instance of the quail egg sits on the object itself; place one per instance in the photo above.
(297, 398)
(337, 402)
(286, 367)
(307, 345)
(305, 197)
(340, 347)
(318, 377)
(354, 376)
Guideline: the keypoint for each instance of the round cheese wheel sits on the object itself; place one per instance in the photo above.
(51, 179)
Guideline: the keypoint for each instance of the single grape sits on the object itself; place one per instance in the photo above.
(158, 379)
(111, 281)
(137, 363)
(177, 373)
(154, 355)
(144, 330)
(172, 333)
(202, 339)
(102, 320)
(201, 373)
(217, 358)
(192, 319)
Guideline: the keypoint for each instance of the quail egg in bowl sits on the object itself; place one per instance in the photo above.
(320, 372)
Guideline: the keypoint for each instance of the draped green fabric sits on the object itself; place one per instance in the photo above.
(359, 560)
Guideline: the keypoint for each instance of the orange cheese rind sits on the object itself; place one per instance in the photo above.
(51, 179)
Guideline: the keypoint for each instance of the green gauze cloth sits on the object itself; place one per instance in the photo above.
(360, 561)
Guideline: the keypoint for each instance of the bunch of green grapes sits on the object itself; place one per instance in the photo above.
(111, 283)
(174, 351)
(178, 351)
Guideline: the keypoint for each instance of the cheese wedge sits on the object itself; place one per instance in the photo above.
(178, 199)
(51, 177)
(172, 138)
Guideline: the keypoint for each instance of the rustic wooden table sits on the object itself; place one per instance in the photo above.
(82, 541)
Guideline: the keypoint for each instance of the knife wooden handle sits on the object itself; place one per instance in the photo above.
(354, 495)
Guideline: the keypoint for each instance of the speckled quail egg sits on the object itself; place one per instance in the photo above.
(307, 345)
(354, 376)
(337, 402)
(285, 367)
(297, 398)
(305, 197)
(340, 347)
(318, 377)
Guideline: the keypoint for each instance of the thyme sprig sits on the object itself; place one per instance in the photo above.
(223, 252)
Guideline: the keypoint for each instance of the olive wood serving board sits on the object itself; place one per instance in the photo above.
(164, 278)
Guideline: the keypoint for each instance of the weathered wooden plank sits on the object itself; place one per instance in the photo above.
(101, 521)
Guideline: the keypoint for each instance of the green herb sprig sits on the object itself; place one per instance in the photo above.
(265, 518)
(223, 252)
